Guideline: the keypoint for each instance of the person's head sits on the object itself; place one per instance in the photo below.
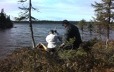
(65, 23)
(51, 32)
(55, 31)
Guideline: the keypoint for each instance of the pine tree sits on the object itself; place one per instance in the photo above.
(82, 23)
(26, 15)
(5, 21)
(90, 27)
(2, 19)
(9, 22)
(104, 15)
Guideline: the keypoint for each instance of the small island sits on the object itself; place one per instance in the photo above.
(5, 21)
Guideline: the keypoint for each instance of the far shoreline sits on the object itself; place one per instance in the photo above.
(44, 22)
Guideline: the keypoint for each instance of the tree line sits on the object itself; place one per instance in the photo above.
(5, 21)
(103, 20)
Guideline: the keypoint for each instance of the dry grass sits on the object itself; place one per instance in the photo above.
(95, 58)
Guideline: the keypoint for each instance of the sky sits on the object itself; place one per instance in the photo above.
(74, 10)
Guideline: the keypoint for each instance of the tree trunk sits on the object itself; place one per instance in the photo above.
(108, 28)
(32, 34)
(30, 23)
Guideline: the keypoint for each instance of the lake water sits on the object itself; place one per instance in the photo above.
(20, 36)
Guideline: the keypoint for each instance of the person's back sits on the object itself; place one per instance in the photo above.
(51, 39)
(72, 32)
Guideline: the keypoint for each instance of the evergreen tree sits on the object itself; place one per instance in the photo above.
(5, 21)
(9, 22)
(82, 23)
(104, 14)
(2, 19)
(90, 27)
(26, 15)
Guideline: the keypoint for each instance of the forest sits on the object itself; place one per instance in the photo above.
(5, 21)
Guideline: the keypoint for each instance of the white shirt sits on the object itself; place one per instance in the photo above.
(51, 39)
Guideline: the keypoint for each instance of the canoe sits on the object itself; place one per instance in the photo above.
(41, 46)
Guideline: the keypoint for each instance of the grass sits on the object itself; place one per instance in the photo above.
(92, 56)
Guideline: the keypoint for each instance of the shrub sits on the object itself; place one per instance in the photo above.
(97, 59)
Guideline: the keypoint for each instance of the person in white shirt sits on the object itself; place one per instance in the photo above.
(51, 39)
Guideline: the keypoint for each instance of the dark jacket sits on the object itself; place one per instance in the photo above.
(72, 32)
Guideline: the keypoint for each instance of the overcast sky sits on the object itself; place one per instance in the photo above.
(54, 9)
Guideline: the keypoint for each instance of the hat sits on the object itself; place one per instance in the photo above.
(51, 31)
(65, 22)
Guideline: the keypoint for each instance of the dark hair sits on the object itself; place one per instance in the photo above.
(55, 31)
(65, 22)
(52, 31)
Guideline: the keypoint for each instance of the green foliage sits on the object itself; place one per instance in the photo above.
(98, 59)
(82, 24)
(90, 27)
(70, 42)
(24, 15)
(81, 52)
(104, 14)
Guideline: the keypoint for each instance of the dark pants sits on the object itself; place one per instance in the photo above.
(51, 49)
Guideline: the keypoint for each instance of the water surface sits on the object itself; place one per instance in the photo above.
(20, 36)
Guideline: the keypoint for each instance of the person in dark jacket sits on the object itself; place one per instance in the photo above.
(72, 32)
